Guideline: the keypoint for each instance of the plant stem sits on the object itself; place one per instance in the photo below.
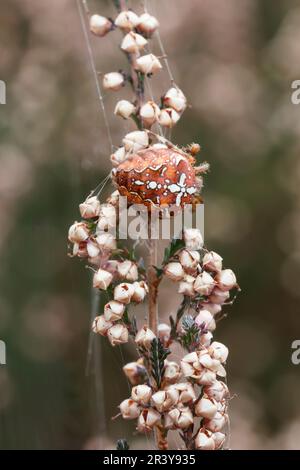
(153, 287)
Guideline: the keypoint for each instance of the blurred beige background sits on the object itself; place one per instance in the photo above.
(235, 60)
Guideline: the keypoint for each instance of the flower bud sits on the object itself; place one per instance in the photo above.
(164, 333)
(168, 117)
(148, 64)
(90, 208)
(174, 98)
(140, 291)
(101, 326)
(212, 308)
(205, 320)
(129, 409)
(226, 279)
(141, 394)
(218, 351)
(182, 417)
(78, 232)
(186, 287)
(147, 24)
(217, 390)
(106, 241)
(212, 261)
(189, 260)
(99, 25)
(127, 20)
(114, 310)
(217, 423)
(186, 392)
(174, 271)
(135, 141)
(102, 279)
(147, 420)
(219, 296)
(144, 337)
(149, 113)
(119, 156)
(133, 42)
(206, 408)
(171, 372)
(204, 283)
(128, 270)
(205, 339)
(219, 439)
(193, 239)
(135, 372)
(204, 440)
(124, 109)
(206, 377)
(117, 334)
(113, 81)
(123, 292)
(163, 400)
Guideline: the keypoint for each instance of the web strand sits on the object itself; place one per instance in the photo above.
(82, 5)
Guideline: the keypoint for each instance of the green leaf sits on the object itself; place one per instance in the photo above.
(158, 354)
(180, 312)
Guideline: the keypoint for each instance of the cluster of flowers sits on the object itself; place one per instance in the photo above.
(91, 241)
(178, 403)
(203, 280)
(137, 29)
(191, 394)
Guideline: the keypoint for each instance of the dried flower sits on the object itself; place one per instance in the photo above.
(164, 333)
(99, 25)
(129, 409)
(212, 308)
(168, 117)
(148, 64)
(205, 339)
(147, 24)
(114, 310)
(204, 283)
(118, 156)
(78, 232)
(219, 439)
(135, 372)
(144, 337)
(193, 239)
(219, 297)
(174, 271)
(217, 423)
(127, 20)
(186, 287)
(90, 208)
(101, 326)
(189, 260)
(147, 420)
(201, 367)
(106, 241)
(217, 390)
(171, 372)
(212, 261)
(133, 42)
(124, 109)
(218, 351)
(174, 98)
(113, 81)
(141, 394)
(92, 248)
(204, 440)
(113, 199)
(140, 291)
(102, 279)
(226, 279)
(128, 270)
(206, 319)
(149, 113)
(135, 141)
(123, 292)
(163, 400)
(206, 408)
(186, 392)
(107, 217)
(181, 417)
(117, 334)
